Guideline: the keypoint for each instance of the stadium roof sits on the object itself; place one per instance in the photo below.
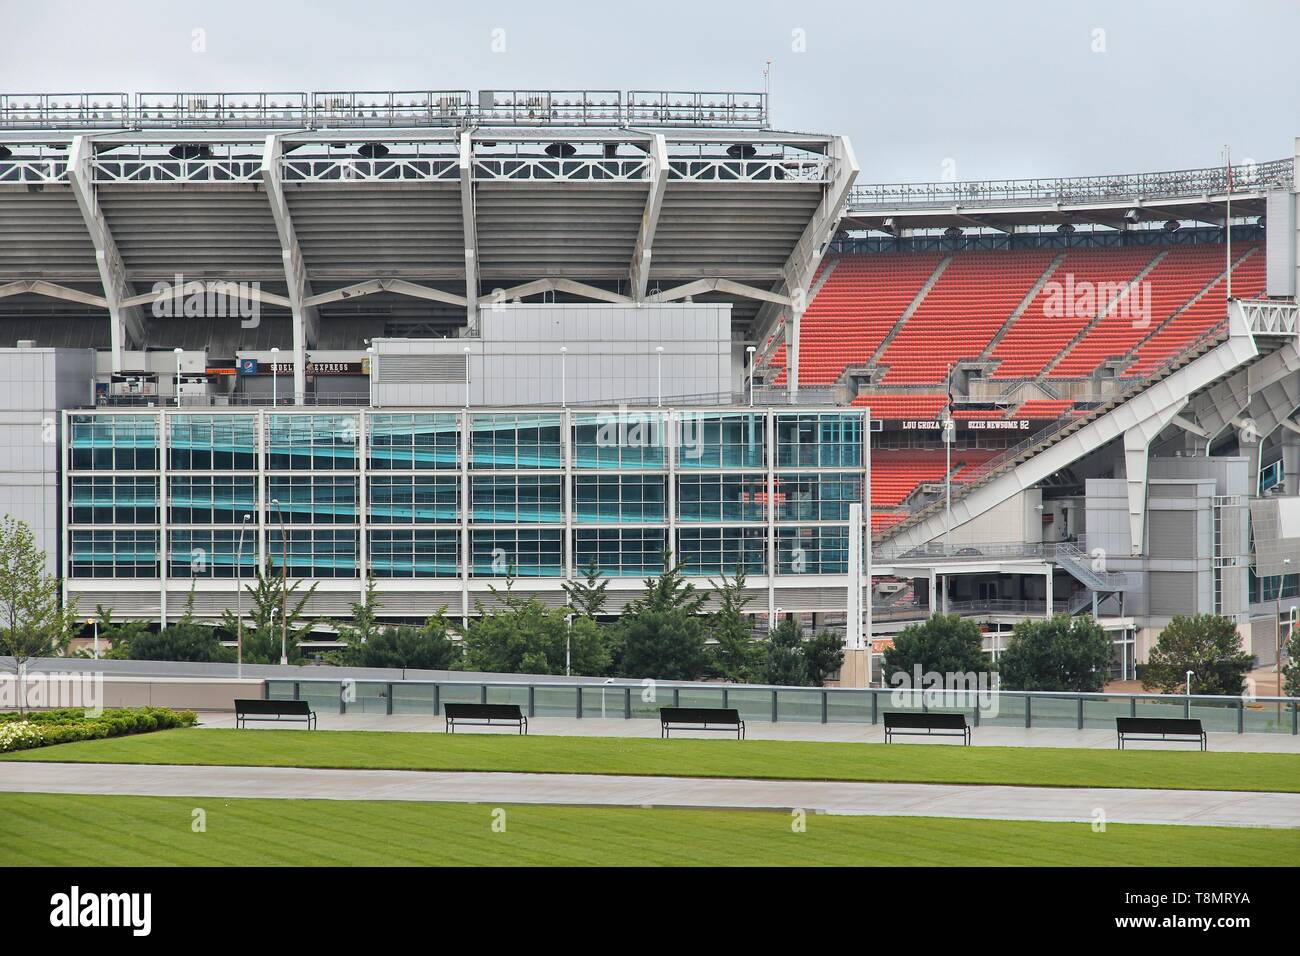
(437, 198)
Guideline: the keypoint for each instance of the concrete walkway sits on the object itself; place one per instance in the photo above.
(986, 735)
(1079, 805)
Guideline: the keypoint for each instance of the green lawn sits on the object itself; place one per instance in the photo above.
(770, 759)
(38, 829)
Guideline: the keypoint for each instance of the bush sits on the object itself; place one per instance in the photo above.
(1205, 644)
(1058, 654)
(48, 727)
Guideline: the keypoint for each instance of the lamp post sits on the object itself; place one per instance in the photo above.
(659, 370)
(564, 351)
(177, 351)
(374, 357)
(466, 351)
(275, 375)
(1281, 582)
(284, 569)
(94, 622)
(1190, 675)
(751, 350)
(1277, 664)
(568, 645)
(239, 599)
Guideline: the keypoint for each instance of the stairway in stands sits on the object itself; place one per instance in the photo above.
(961, 314)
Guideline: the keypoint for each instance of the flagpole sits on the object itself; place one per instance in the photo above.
(1227, 220)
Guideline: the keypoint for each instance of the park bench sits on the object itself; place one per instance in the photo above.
(701, 718)
(246, 710)
(484, 715)
(926, 724)
(1175, 729)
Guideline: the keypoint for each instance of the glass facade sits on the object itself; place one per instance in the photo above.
(211, 499)
(454, 494)
(414, 442)
(212, 442)
(103, 499)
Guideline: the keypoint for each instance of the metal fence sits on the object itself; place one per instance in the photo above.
(642, 700)
(1211, 180)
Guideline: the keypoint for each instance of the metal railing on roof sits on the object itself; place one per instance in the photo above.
(1206, 181)
(397, 109)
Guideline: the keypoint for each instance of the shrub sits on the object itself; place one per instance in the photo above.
(48, 727)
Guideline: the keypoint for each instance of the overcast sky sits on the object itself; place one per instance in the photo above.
(996, 89)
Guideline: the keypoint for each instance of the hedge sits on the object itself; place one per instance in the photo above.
(45, 727)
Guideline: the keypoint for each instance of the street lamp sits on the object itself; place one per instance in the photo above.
(751, 350)
(1190, 675)
(275, 375)
(659, 369)
(284, 582)
(568, 645)
(466, 351)
(177, 350)
(94, 622)
(374, 357)
(239, 598)
(564, 351)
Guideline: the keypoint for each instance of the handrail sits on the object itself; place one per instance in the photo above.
(412, 108)
(1210, 180)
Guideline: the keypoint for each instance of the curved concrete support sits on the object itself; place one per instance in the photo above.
(127, 321)
(306, 319)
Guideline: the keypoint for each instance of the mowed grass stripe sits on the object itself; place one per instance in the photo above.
(73, 830)
(758, 759)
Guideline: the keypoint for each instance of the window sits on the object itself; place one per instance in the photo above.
(306, 553)
(413, 499)
(410, 553)
(320, 442)
(625, 439)
(611, 499)
(316, 500)
(211, 554)
(818, 550)
(817, 497)
(515, 441)
(524, 553)
(212, 442)
(114, 500)
(722, 497)
(826, 440)
(621, 552)
(414, 441)
(513, 498)
(721, 440)
(219, 499)
(107, 442)
(114, 554)
(719, 551)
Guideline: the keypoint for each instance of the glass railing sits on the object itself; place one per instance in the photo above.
(642, 699)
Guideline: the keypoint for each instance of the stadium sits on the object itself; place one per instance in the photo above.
(400, 336)
(606, 418)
